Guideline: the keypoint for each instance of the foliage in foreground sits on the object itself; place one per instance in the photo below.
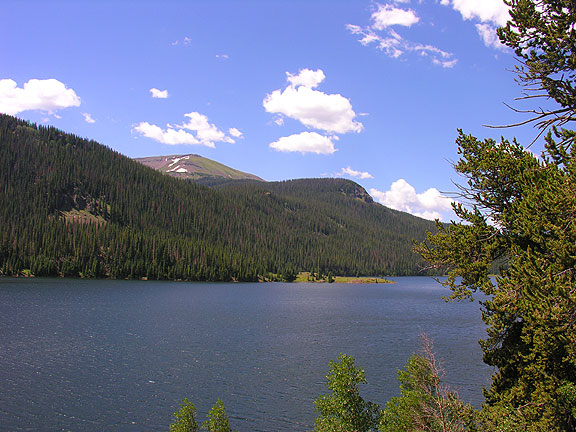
(217, 419)
(344, 409)
(543, 37)
(522, 208)
(425, 403)
(185, 419)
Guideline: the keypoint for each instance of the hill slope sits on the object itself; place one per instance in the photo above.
(72, 207)
(194, 167)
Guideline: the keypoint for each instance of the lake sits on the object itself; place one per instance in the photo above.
(100, 355)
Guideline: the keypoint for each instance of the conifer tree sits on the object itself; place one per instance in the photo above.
(521, 210)
(344, 409)
(185, 418)
(217, 419)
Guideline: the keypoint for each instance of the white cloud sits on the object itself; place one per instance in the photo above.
(445, 64)
(88, 118)
(235, 133)
(402, 196)
(488, 34)
(313, 108)
(185, 41)
(159, 94)
(381, 34)
(391, 44)
(353, 173)
(305, 142)
(388, 15)
(205, 133)
(165, 136)
(493, 11)
(489, 13)
(48, 95)
(394, 45)
(222, 56)
(307, 78)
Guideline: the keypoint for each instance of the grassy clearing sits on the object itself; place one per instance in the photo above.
(82, 217)
(309, 277)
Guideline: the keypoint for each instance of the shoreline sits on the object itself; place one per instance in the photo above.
(301, 278)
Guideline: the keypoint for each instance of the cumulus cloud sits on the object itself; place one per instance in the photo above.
(48, 95)
(488, 34)
(353, 173)
(203, 132)
(166, 136)
(388, 15)
(159, 94)
(235, 133)
(305, 142)
(315, 109)
(402, 196)
(494, 11)
(206, 132)
(488, 14)
(88, 118)
(381, 34)
(306, 77)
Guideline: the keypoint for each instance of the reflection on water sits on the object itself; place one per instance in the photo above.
(120, 355)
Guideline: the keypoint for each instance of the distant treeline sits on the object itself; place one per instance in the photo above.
(73, 207)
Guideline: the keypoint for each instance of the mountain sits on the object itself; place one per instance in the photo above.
(70, 206)
(194, 167)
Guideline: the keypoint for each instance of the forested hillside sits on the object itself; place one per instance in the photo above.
(72, 207)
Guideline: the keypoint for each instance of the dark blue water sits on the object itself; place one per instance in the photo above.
(120, 355)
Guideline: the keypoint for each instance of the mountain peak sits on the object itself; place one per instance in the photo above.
(194, 167)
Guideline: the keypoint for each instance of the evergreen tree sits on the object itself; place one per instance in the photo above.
(522, 212)
(217, 419)
(344, 409)
(542, 34)
(185, 418)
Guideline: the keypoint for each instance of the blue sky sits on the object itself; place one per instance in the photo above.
(366, 90)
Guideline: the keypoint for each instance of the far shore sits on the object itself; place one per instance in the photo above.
(310, 278)
(303, 277)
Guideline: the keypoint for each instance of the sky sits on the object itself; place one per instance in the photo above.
(372, 91)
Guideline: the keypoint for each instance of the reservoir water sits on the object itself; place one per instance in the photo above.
(99, 355)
